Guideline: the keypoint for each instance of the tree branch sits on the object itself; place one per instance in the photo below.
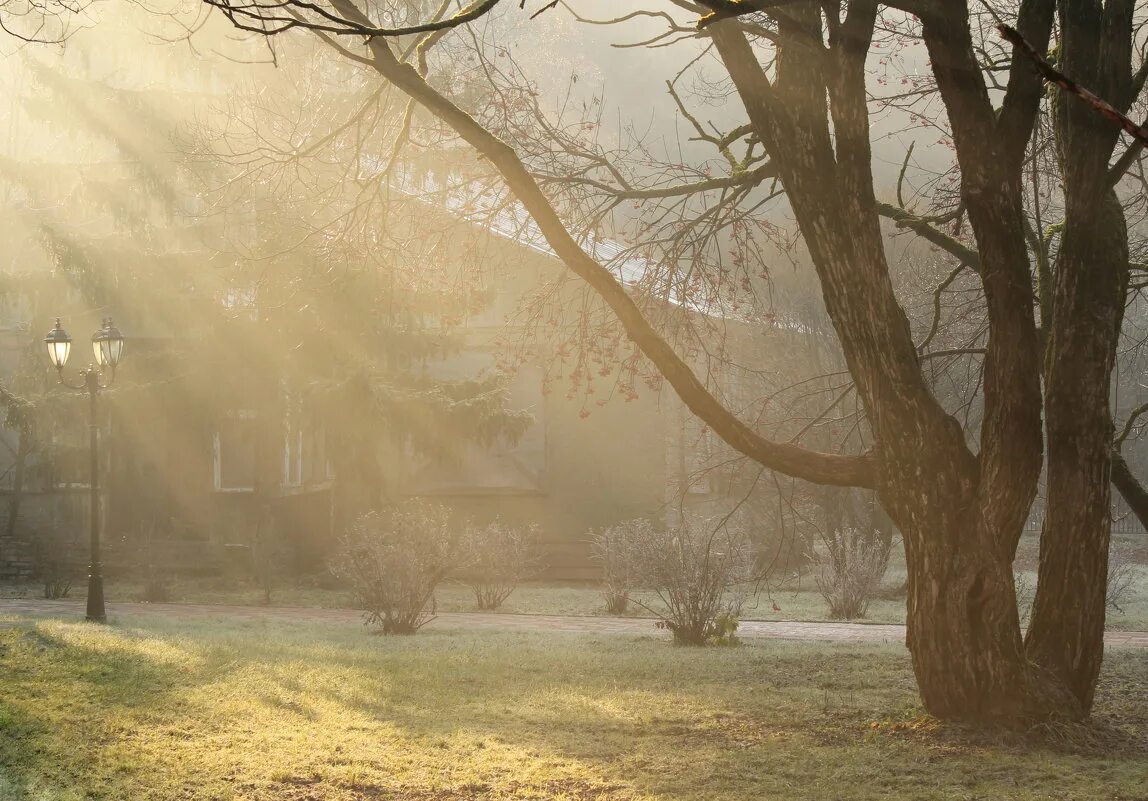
(1022, 97)
(267, 17)
(924, 229)
(824, 468)
(1052, 75)
(748, 178)
(1133, 492)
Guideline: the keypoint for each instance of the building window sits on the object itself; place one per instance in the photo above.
(316, 466)
(235, 454)
(293, 456)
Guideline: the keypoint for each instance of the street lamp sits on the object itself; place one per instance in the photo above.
(107, 347)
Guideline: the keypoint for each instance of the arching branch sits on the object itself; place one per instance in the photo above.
(824, 468)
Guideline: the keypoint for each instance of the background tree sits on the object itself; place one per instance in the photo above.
(122, 200)
(39, 21)
(800, 72)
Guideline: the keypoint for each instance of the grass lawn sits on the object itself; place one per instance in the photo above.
(796, 600)
(538, 598)
(152, 708)
(532, 598)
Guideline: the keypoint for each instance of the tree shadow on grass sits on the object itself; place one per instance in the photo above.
(635, 716)
(803, 711)
(71, 689)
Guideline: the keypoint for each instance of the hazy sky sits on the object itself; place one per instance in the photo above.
(634, 78)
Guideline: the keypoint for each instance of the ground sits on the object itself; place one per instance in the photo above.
(166, 708)
(794, 600)
(782, 597)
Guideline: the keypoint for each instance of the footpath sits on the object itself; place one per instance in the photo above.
(749, 629)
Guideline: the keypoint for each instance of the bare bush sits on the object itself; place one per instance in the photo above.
(1121, 578)
(700, 570)
(1121, 584)
(394, 561)
(53, 566)
(848, 568)
(497, 558)
(609, 547)
(156, 589)
(265, 567)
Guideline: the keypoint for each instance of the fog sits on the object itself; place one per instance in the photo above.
(318, 282)
(807, 338)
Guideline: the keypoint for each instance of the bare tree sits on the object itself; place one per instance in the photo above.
(799, 70)
(39, 21)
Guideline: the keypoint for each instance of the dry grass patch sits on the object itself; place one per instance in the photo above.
(152, 708)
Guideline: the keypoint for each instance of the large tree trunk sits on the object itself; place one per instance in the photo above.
(961, 514)
(963, 631)
(1066, 636)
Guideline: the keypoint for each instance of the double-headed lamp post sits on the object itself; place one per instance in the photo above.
(107, 346)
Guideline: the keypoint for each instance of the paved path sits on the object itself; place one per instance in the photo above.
(750, 629)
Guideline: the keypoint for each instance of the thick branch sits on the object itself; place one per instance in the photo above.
(276, 16)
(1130, 489)
(921, 226)
(1052, 75)
(747, 178)
(1022, 98)
(1011, 435)
(813, 466)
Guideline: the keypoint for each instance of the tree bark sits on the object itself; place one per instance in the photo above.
(963, 629)
(1066, 635)
(961, 515)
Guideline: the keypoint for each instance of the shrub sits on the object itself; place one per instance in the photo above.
(497, 558)
(700, 571)
(57, 583)
(1121, 582)
(156, 589)
(394, 561)
(52, 565)
(848, 568)
(609, 548)
(1121, 578)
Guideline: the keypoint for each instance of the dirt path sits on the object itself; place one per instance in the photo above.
(750, 629)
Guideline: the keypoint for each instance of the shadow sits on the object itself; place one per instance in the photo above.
(633, 715)
(65, 682)
(783, 707)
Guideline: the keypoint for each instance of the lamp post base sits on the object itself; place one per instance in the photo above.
(95, 613)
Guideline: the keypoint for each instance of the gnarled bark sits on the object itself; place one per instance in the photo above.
(1066, 635)
(963, 630)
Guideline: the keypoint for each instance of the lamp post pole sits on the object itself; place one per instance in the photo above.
(95, 612)
(107, 347)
